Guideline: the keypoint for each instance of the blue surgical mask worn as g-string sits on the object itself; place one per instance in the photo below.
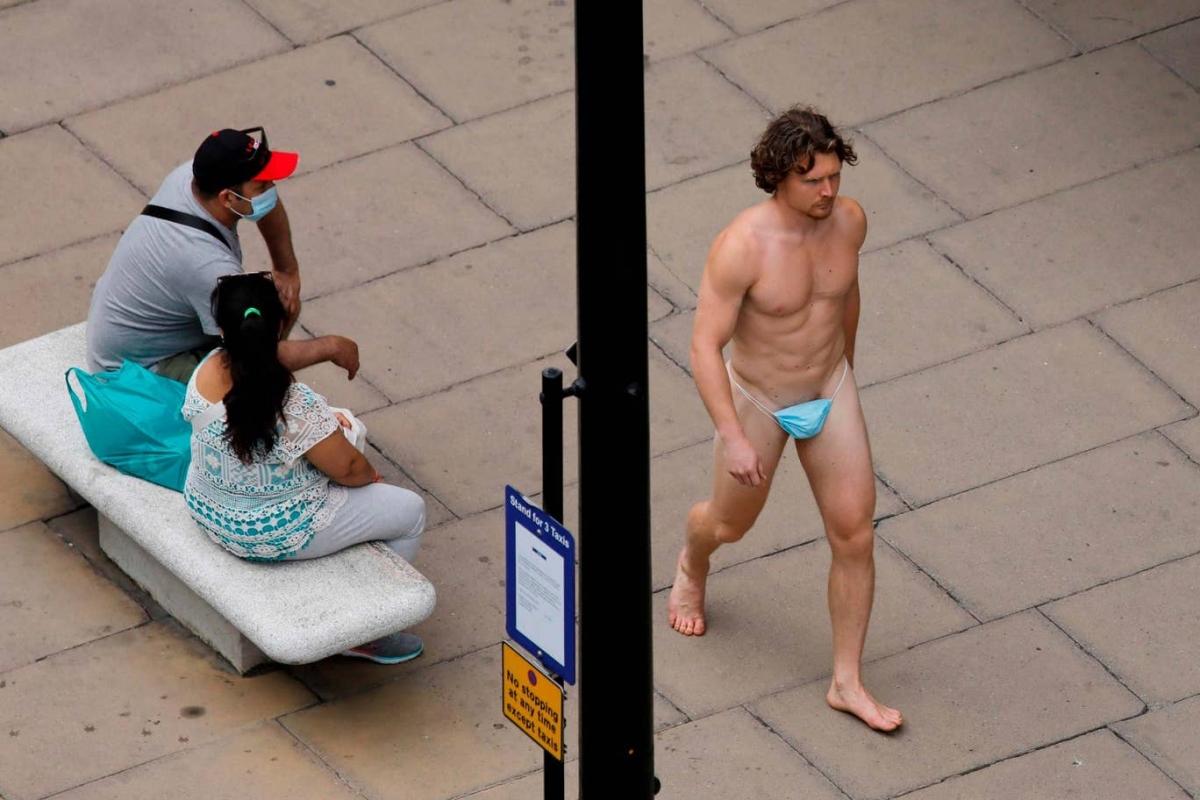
(260, 205)
(803, 420)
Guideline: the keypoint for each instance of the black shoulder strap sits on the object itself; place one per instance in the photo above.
(182, 218)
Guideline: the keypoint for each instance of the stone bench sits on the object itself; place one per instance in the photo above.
(293, 613)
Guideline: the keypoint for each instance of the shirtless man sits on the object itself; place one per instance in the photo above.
(781, 286)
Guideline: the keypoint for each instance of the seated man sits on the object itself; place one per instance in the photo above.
(151, 305)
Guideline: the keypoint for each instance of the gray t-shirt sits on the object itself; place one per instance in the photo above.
(152, 302)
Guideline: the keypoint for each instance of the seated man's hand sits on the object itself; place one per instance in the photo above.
(288, 286)
(345, 355)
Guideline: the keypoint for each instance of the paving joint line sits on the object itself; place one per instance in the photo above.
(1062, 34)
(470, 189)
(345, 781)
(720, 20)
(353, 34)
(1092, 313)
(905, 171)
(415, 482)
(430, 261)
(1129, 354)
(1097, 659)
(1154, 763)
(1157, 59)
(921, 570)
(749, 94)
(1152, 429)
(983, 287)
(100, 157)
(1175, 445)
(794, 747)
(253, 10)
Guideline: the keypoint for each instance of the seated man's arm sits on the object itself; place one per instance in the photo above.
(296, 354)
(276, 231)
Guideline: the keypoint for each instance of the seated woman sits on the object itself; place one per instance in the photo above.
(272, 476)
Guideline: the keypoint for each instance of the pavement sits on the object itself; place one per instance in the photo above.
(1028, 353)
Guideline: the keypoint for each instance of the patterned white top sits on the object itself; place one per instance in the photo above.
(271, 508)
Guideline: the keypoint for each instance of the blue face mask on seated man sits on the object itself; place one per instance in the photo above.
(260, 205)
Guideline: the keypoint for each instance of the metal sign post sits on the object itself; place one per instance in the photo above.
(616, 682)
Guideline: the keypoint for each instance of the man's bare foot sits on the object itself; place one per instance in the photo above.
(859, 702)
(685, 607)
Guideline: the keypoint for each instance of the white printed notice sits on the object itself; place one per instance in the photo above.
(540, 577)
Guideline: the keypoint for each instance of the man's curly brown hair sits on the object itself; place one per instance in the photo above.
(790, 144)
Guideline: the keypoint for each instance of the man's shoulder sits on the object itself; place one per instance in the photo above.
(851, 218)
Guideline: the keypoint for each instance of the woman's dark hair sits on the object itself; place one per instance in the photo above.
(791, 142)
(248, 311)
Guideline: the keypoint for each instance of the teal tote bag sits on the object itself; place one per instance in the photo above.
(132, 419)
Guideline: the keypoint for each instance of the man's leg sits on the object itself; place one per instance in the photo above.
(838, 464)
(180, 366)
(722, 519)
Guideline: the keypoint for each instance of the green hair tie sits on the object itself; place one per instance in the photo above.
(251, 310)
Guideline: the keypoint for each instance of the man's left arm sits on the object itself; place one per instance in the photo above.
(858, 221)
(277, 233)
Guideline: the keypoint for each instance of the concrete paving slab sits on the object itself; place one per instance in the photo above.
(330, 381)
(688, 139)
(1167, 736)
(1091, 24)
(1080, 250)
(985, 694)
(67, 195)
(311, 20)
(122, 701)
(1179, 49)
(684, 477)
(77, 55)
(522, 294)
(477, 57)
(79, 530)
(920, 310)
(1003, 144)
(519, 161)
(47, 292)
(667, 284)
(1163, 333)
(879, 56)
(436, 512)
(747, 16)
(674, 27)
(1058, 529)
(683, 219)
(734, 755)
(769, 627)
(392, 742)
(1096, 765)
(531, 786)
(263, 761)
(52, 599)
(1186, 436)
(28, 490)
(329, 102)
(469, 470)
(1018, 405)
(1145, 628)
(673, 335)
(374, 215)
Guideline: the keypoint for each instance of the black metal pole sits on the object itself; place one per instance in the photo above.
(553, 782)
(616, 682)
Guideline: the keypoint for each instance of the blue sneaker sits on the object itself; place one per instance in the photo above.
(394, 649)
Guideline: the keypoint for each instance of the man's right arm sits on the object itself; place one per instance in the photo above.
(296, 354)
(728, 276)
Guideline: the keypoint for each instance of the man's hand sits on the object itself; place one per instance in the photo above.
(287, 284)
(345, 355)
(742, 462)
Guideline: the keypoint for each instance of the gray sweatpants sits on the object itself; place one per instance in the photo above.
(375, 512)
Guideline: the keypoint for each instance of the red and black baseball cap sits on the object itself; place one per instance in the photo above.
(230, 157)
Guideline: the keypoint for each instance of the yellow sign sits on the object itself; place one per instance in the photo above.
(532, 701)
